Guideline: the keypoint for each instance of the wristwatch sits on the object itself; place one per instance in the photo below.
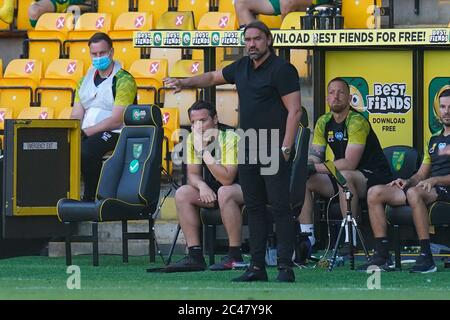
(286, 150)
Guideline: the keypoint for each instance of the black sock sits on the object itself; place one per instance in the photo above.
(235, 253)
(425, 248)
(196, 252)
(382, 246)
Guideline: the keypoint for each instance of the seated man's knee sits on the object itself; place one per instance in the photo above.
(375, 194)
(242, 4)
(183, 194)
(287, 6)
(34, 11)
(349, 175)
(412, 195)
(224, 195)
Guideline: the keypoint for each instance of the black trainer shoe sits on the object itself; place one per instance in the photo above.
(424, 264)
(385, 264)
(285, 274)
(226, 263)
(187, 264)
(252, 274)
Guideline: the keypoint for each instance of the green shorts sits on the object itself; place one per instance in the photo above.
(276, 6)
(62, 5)
(317, 2)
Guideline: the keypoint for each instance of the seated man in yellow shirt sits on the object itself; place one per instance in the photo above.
(217, 187)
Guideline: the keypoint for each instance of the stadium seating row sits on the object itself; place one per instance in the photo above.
(23, 86)
(356, 13)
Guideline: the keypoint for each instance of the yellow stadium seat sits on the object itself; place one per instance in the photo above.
(184, 99)
(171, 123)
(5, 113)
(215, 21)
(172, 55)
(23, 21)
(57, 88)
(122, 35)
(300, 58)
(226, 6)
(218, 21)
(273, 22)
(198, 7)
(292, 20)
(187, 68)
(114, 7)
(149, 75)
(46, 40)
(155, 7)
(227, 101)
(227, 105)
(358, 14)
(1, 68)
(65, 113)
(176, 20)
(88, 24)
(3, 25)
(36, 113)
(18, 84)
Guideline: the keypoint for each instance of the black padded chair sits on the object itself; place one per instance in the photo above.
(440, 217)
(404, 161)
(211, 218)
(129, 184)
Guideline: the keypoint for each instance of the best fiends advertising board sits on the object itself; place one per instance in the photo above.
(380, 87)
(292, 38)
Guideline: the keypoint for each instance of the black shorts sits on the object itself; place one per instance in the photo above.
(373, 179)
(376, 177)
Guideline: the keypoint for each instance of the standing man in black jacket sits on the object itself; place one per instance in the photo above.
(270, 106)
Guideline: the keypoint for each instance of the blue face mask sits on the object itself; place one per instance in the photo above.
(101, 63)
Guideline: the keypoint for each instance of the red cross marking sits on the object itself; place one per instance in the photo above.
(100, 22)
(179, 20)
(139, 22)
(43, 115)
(71, 67)
(223, 22)
(154, 67)
(29, 67)
(194, 67)
(166, 117)
(60, 22)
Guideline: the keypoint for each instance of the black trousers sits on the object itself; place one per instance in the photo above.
(93, 148)
(273, 190)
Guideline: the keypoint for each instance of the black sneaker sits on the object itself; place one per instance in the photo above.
(285, 274)
(424, 264)
(252, 274)
(226, 263)
(187, 264)
(385, 264)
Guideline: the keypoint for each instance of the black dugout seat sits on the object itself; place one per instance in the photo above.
(129, 183)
